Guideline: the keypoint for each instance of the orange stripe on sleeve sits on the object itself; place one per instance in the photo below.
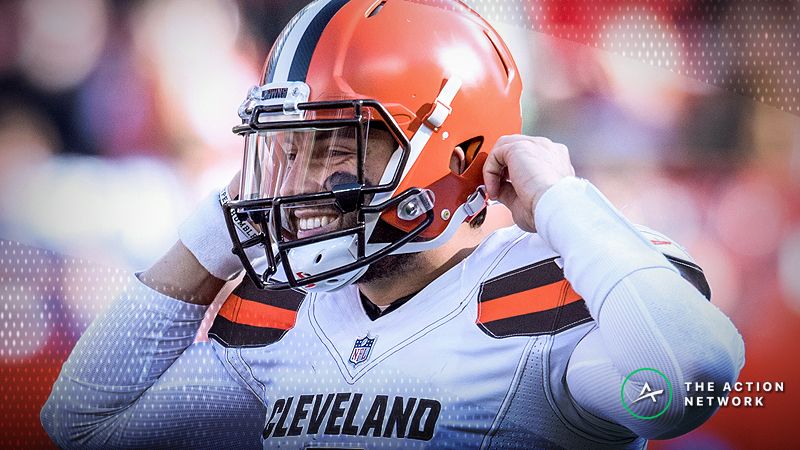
(246, 312)
(571, 296)
(526, 302)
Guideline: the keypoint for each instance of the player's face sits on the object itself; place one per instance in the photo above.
(317, 161)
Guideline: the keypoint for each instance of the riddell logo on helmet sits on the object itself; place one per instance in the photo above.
(274, 93)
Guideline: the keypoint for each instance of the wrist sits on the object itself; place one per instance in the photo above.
(179, 275)
(545, 187)
(205, 235)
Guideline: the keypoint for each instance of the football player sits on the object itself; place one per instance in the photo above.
(377, 311)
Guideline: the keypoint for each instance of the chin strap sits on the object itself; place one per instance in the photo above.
(472, 206)
(435, 119)
(432, 122)
(476, 202)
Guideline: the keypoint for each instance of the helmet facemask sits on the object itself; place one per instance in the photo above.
(315, 179)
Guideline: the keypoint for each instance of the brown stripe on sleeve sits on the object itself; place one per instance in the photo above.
(287, 299)
(254, 317)
(530, 277)
(231, 334)
(530, 301)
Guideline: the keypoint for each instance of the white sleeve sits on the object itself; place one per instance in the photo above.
(647, 316)
(135, 380)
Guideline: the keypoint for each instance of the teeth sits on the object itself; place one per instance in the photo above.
(310, 223)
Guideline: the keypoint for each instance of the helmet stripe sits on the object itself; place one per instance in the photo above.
(277, 49)
(308, 43)
(285, 46)
(295, 46)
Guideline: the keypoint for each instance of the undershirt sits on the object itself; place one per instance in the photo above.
(374, 311)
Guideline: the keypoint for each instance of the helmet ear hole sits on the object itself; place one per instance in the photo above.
(464, 153)
(471, 148)
(458, 161)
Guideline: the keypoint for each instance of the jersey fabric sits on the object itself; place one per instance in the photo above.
(477, 359)
(498, 352)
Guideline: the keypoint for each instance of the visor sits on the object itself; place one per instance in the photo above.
(312, 160)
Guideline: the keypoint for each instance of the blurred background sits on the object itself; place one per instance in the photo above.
(115, 120)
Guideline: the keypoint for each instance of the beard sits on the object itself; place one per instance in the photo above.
(389, 266)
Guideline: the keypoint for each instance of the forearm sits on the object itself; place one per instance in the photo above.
(179, 275)
(651, 321)
(118, 358)
(647, 314)
(124, 384)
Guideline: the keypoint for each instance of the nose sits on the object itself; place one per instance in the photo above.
(303, 177)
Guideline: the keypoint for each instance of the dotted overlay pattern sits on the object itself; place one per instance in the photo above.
(748, 47)
(46, 302)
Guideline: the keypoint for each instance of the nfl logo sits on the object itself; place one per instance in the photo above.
(361, 350)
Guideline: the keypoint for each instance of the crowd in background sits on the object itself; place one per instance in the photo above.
(116, 116)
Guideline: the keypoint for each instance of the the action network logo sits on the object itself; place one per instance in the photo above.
(654, 395)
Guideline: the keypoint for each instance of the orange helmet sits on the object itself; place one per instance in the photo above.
(352, 129)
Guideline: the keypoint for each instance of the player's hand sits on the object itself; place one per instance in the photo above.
(520, 169)
(205, 234)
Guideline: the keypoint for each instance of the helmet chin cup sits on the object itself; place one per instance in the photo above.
(321, 263)
(322, 256)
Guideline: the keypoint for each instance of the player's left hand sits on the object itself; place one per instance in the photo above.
(520, 169)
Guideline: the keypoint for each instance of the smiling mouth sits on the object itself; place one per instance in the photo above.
(313, 225)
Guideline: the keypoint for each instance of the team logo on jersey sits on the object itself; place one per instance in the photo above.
(361, 350)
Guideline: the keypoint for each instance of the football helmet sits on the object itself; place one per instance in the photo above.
(349, 137)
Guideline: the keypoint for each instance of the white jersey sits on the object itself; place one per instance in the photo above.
(498, 352)
(477, 359)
